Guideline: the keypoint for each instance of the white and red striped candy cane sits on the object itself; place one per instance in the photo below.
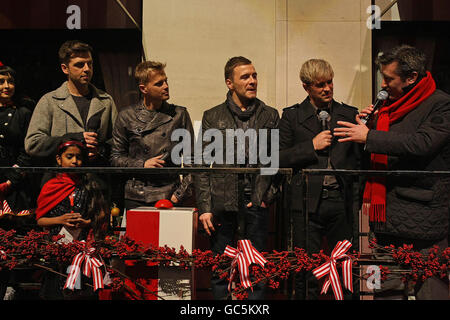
(91, 265)
(243, 256)
(329, 268)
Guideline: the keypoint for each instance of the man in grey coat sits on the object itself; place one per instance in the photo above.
(77, 109)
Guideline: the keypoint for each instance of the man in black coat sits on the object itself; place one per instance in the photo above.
(411, 131)
(307, 142)
(225, 205)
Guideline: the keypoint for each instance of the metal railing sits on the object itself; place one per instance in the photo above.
(284, 217)
(356, 173)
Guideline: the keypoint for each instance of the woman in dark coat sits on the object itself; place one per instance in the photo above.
(14, 118)
(16, 189)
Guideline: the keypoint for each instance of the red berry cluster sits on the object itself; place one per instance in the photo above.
(39, 249)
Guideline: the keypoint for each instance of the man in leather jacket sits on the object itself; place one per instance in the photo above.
(142, 138)
(224, 204)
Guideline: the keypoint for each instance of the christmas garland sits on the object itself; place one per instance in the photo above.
(39, 250)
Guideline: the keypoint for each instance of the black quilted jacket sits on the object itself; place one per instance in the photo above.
(417, 206)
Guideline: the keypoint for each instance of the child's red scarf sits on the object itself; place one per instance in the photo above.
(54, 191)
(374, 199)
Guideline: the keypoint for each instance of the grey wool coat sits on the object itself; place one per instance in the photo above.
(56, 117)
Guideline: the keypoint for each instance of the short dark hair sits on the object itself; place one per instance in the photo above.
(409, 60)
(233, 63)
(72, 48)
(8, 71)
(72, 142)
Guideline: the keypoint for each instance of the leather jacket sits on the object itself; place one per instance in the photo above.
(219, 192)
(139, 135)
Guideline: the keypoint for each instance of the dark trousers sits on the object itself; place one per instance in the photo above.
(249, 224)
(330, 221)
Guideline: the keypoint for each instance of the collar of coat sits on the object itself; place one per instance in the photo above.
(263, 117)
(307, 115)
(154, 119)
(67, 104)
(63, 93)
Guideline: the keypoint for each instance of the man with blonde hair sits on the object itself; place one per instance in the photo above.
(307, 142)
(314, 69)
(142, 138)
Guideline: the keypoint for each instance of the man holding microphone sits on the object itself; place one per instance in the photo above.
(411, 131)
(307, 142)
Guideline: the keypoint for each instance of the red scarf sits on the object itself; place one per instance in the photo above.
(374, 199)
(54, 191)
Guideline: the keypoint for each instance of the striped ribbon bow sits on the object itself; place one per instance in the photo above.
(243, 257)
(329, 268)
(91, 265)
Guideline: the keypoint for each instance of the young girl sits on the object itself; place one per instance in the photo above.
(73, 201)
(71, 204)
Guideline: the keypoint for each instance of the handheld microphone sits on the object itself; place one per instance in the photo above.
(381, 96)
(323, 117)
(93, 124)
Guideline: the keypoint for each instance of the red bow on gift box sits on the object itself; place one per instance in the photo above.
(329, 268)
(92, 265)
(243, 256)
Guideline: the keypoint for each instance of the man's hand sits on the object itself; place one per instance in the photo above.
(322, 140)
(174, 199)
(154, 162)
(206, 220)
(365, 112)
(91, 144)
(352, 132)
(91, 139)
